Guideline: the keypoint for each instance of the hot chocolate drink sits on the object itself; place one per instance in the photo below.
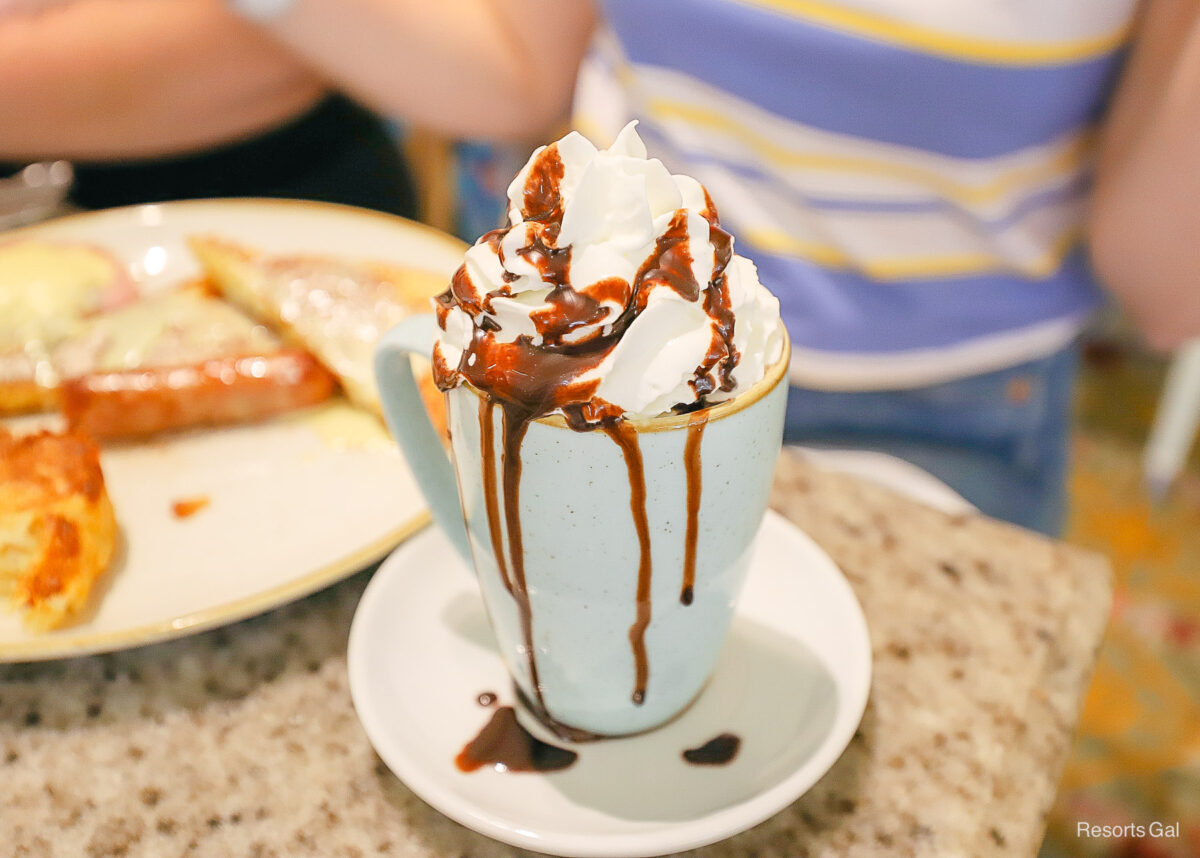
(612, 299)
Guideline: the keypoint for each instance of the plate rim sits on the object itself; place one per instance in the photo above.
(69, 643)
(451, 242)
(63, 645)
(671, 837)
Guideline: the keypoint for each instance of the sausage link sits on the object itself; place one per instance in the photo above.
(135, 403)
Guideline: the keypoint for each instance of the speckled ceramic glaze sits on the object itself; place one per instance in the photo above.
(581, 548)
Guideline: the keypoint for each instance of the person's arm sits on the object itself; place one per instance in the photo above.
(97, 79)
(1145, 220)
(491, 68)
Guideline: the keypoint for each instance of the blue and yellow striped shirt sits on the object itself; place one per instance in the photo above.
(909, 175)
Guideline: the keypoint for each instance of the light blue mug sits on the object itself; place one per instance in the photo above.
(603, 601)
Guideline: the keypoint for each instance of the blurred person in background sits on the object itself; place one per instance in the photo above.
(914, 179)
(171, 99)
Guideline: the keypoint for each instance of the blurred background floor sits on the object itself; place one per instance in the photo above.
(1137, 755)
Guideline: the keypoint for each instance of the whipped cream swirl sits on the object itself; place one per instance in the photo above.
(612, 293)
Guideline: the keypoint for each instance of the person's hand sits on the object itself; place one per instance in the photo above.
(29, 7)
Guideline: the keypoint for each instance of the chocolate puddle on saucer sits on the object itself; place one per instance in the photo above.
(717, 751)
(506, 746)
(527, 381)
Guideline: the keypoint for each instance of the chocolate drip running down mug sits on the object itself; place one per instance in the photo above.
(609, 559)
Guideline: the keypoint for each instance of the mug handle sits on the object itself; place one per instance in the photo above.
(409, 423)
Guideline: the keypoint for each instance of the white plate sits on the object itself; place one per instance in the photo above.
(792, 682)
(294, 504)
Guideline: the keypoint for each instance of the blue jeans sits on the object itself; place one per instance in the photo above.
(999, 439)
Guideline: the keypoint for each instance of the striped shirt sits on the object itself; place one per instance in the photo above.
(909, 175)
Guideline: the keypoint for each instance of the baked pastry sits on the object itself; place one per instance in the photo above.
(335, 308)
(57, 528)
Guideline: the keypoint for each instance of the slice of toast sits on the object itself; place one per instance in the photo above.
(184, 326)
(57, 528)
(335, 308)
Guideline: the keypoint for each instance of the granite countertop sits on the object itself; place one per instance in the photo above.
(243, 741)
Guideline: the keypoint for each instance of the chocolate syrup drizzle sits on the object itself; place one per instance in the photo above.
(516, 421)
(627, 440)
(530, 381)
(486, 698)
(717, 751)
(504, 744)
(487, 449)
(691, 466)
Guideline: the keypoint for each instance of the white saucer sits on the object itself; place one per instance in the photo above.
(792, 682)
